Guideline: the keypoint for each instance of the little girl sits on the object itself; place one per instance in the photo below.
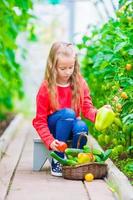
(62, 98)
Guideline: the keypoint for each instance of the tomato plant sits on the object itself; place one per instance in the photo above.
(107, 65)
(14, 16)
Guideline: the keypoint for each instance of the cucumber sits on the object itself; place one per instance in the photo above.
(61, 160)
(71, 162)
(58, 158)
(73, 159)
(70, 157)
(73, 151)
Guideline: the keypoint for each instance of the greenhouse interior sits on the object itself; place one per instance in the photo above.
(66, 99)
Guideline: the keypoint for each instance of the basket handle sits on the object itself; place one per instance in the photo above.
(82, 134)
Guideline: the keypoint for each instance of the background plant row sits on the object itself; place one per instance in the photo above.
(14, 16)
(107, 65)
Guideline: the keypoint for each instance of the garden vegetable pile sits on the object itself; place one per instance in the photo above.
(82, 156)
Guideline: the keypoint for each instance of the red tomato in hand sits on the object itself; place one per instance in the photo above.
(62, 146)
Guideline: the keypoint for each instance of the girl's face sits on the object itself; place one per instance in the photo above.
(65, 68)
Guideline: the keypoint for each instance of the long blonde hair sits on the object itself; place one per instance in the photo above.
(63, 49)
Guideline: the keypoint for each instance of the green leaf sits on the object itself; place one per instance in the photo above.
(130, 148)
(108, 57)
(129, 167)
(10, 73)
(10, 55)
(128, 119)
(23, 5)
(6, 3)
(130, 52)
(85, 38)
(80, 46)
(125, 82)
(119, 46)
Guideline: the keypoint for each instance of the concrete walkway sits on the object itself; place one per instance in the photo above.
(19, 182)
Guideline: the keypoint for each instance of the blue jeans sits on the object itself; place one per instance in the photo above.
(64, 126)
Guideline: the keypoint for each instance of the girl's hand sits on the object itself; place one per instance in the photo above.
(54, 145)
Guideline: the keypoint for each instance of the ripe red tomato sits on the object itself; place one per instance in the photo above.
(62, 146)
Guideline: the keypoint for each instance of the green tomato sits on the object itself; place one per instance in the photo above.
(114, 141)
(131, 127)
(114, 152)
(107, 139)
(118, 122)
(120, 148)
(125, 129)
(122, 141)
(101, 138)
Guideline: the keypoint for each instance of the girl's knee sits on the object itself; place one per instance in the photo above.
(68, 114)
(80, 126)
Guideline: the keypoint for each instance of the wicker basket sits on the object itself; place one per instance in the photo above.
(99, 170)
(78, 172)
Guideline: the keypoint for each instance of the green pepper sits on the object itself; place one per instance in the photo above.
(73, 151)
(58, 158)
(104, 118)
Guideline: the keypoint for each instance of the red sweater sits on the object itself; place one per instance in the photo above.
(64, 96)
